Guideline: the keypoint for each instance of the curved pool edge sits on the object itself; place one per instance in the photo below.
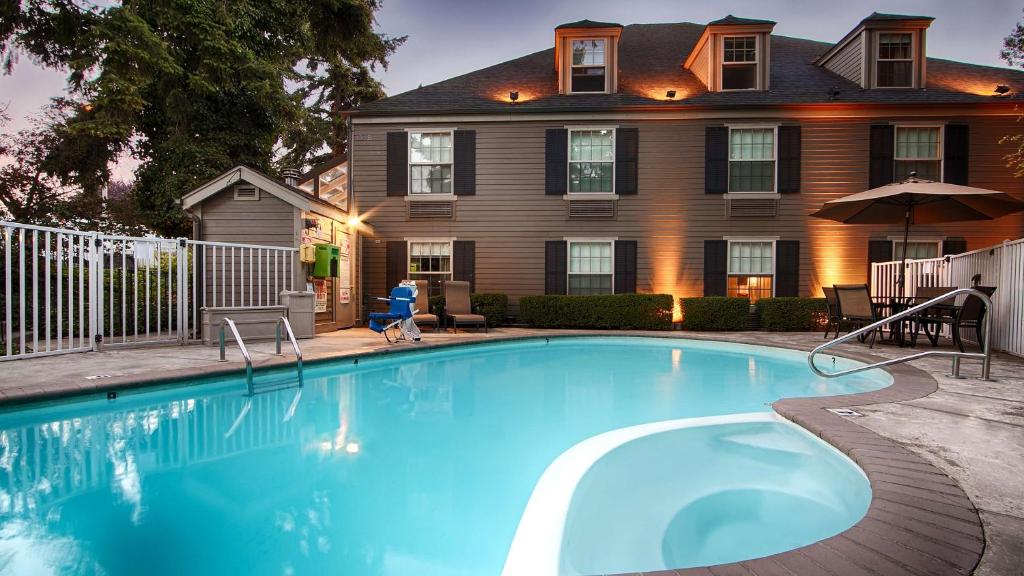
(919, 519)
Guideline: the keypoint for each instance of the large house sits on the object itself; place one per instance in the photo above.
(676, 158)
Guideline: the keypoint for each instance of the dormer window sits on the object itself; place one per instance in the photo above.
(588, 66)
(895, 64)
(739, 63)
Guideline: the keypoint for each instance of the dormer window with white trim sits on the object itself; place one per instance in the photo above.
(589, 72)
(739, 62)
(895, 62)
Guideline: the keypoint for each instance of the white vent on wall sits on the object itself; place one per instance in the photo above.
(748, 207)
(420, 209)
(591, 209)
(247, 193)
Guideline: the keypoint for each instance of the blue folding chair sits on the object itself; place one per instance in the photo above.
(398, 311)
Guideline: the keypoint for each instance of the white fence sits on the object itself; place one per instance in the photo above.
(70, 291)
(1001, 266)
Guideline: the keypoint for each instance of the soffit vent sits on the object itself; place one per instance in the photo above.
(422, 210)
(752, 207)
(591, 209)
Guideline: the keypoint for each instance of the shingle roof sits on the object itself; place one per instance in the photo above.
(730, 19)
(588, 24)
(880, 17)
(650, 63)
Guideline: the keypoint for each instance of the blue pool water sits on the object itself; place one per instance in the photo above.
(415, 464)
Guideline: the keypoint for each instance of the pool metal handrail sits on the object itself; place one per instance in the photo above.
(291, 338)
(985, 355)
(241, 346)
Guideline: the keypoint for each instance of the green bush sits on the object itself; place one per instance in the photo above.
(715, 313)
(792, 314)
(615, 311)
(493, 306)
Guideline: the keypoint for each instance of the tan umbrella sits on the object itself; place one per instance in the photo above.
(917, 201)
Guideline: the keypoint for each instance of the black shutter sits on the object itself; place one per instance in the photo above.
(955, 154)
(625, 266)
(464, 262)
(555, 264)
(465, 163)
(878, 251)
(556, 161)
(397, 265)
(787, 268)
(716, 271)
(789, 159)
(627, 152)
(716, 160)
(398, 163)
(881, 168)
(951, 246)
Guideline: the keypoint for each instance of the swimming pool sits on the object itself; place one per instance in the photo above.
(403, 464)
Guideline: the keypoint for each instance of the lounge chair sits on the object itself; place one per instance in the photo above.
(457, 306)
(832, 305)
(390, 323)
(970, 315)
(856, 309)
(933, 316)
(423, 317)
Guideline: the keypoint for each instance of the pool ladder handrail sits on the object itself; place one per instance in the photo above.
(241, 346)
(985, 355)
(291, 338)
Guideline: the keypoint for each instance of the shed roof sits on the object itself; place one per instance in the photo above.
(241, 173)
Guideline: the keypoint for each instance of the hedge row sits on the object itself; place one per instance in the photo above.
(715, 313)
(792, 314)
(775, 314)
(493, 306)
(614, 311)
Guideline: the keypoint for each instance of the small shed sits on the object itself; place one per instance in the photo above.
(244, 206)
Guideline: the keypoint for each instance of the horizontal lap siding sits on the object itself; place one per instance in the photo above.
(510, 217)
(849, 61)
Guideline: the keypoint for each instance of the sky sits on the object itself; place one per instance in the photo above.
(452, 37)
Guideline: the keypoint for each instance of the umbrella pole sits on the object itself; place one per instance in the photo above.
(903, 260)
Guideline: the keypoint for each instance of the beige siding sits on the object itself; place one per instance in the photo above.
(510, 217)
(701, 66)
(849, 62)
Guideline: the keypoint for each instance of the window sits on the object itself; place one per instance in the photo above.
(591, 161)
(751, 159)
(590, 267)
(430, 261)
(739, 63)
(918, 149)
(918, 250)
(751, 269)
(430, 163)
(588, 66)
(895, 62)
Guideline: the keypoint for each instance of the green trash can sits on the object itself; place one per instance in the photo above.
(327, 261)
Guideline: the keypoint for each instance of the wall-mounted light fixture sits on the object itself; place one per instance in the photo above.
(513, 96)
(670, 94)
(1002, 89)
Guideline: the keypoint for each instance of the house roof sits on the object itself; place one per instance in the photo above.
(588, 24)
(650, 63)
(881, 17)
(290, 194)
(736, 20)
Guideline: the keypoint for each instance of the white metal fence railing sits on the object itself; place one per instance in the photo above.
(1001, 266)
(69, 291)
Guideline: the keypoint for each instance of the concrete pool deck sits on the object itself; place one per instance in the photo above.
(971, 430)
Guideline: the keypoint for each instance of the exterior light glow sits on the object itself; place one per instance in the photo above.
(513, 96)
(670, 94)
(353, 221)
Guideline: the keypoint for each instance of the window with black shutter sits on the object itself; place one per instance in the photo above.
(627, 154)
(464, 262)
(716, 160)
(787, 268)
(789, 159)
(397, 263)
(625, 266)
(715, 267)
(953, 246)
(556, 263)
(465, 162)
(881, 162)
(879, 251)
(956, 154)
(556, 161)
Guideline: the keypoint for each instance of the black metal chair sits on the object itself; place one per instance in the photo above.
(832, 306)
(856, 309)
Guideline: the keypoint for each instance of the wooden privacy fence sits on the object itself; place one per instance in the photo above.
(72, 291)
(1001, 266)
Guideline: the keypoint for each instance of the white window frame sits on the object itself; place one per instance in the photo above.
(941, 145)
(739, 240)
(569, 160)
(756, 63)
(409, 163)
(913, 58)
(451, 255)
(928, 240)
(775, 157)
(572, 66)
(568, 259)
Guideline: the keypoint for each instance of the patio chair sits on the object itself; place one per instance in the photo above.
(390, 323)
(970, 315)
(423, 317)
(856, 309)
(457, 306)
(933, 316)
(832, 305)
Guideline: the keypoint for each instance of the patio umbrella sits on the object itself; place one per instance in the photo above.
(916, 201)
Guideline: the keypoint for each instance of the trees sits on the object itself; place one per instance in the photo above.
(193, 87)
(1013, 53)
